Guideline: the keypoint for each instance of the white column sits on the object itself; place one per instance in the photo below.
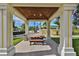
(61, 35)
(6, 47)
(26, 28)
(0, 28)
(67, 49)
(48, 29)
(68, 28)
(26, 31)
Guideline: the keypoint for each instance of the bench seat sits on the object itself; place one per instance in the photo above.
(37, 40)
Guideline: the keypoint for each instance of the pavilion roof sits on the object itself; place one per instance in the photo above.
(33, 13)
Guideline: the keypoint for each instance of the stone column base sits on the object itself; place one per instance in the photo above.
(7, 52)
(68, 52)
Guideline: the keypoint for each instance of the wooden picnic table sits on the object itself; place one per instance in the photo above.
(37, 37)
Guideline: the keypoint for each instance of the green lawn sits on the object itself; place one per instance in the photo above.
(75, 44)
(17, 40)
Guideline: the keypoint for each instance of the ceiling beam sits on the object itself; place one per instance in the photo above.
(57, 13)
(18, 14)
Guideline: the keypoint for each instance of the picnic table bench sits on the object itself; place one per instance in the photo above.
(37, 40)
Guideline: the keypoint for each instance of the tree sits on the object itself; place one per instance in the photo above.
(23, 27)
(13, 24)
(78, 9)
(57, 22)
(44, 24)
(75, 22)
(76, 16)
(14, 27)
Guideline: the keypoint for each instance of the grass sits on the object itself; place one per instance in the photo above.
(76, 45)
(17, 40)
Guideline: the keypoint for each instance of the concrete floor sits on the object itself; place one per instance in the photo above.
(24, 49)
(24, 46)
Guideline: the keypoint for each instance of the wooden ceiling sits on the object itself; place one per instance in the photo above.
(37, 12)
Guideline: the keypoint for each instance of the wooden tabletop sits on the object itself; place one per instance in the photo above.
(36, 40)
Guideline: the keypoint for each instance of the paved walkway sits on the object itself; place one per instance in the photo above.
(24, 49)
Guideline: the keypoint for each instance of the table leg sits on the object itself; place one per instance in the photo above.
(30, 43)
(43, 43)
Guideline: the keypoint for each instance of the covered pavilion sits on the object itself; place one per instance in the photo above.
(36, 12)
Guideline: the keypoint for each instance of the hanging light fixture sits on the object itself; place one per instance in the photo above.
(40, 14)
(34, 14)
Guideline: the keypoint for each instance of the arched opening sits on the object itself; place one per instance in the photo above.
(38, 26)
(55, 29)
(18, 30)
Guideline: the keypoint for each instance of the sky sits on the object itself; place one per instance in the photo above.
(19, 22)
(37, 23)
